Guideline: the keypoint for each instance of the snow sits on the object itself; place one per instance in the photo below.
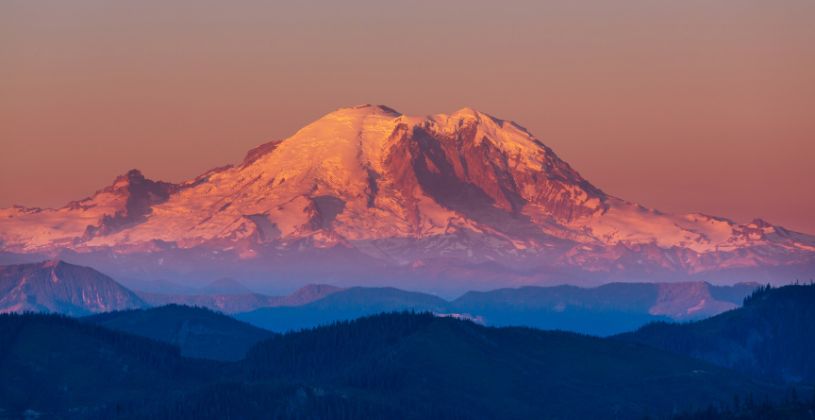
(340, 155)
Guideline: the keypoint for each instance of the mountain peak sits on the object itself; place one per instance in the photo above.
(126, 202)
(53, 263)
(131, 177)
(468, 112)
(309, 293)
(134, 174)
(761, 223)
(365, 109)
(135, 178)
(366, 183)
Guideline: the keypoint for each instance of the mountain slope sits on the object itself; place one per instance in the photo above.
(223, 303)
(56, 286)
(198, 332)
(125, 203)
(342, 305)
(425, 366)
(369, 194)
(388, 366)
(62, 368)
(771, 335)
(234, 303)
(307, 294)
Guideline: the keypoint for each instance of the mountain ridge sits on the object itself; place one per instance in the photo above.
(233, 303)
(385, 193)
(605, 310)
(198, 332)
(386, 366)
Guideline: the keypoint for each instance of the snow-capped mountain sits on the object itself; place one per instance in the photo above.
(369, 193)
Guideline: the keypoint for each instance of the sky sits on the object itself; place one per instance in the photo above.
(684, 106)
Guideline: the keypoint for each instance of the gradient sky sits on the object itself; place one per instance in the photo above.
(688, 105)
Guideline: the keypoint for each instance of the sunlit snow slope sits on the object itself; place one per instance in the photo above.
(368, 193)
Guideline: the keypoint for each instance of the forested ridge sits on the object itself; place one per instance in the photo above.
(395, 365)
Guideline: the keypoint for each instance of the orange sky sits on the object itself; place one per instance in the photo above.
(690, 105)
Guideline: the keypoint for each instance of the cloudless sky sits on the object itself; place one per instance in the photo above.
(704, 105)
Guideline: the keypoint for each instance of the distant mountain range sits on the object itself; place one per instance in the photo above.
(604, 310)
(400, 366)
(369, 196)
(343, 305)
(241, 302)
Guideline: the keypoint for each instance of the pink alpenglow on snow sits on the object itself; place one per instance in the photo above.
(366, 194)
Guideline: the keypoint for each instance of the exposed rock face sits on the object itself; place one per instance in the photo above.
(140, 195)
(389, 194)
(56, 286)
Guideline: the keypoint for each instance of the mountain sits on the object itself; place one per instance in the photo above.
(198, 332)
(340, 306)
(307, 294)
(772, 335)
(367, 195)
(222, 303)
(56, 286)
(57, 367)
(430, 367)
(605, 310)
(401, 366)
(245, 302)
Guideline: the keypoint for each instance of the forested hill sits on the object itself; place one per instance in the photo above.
(61, 367)
(403, 365)
(198, 332)
(772, 335)
(427, 366)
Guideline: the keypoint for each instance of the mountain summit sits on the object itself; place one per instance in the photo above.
(367, 193)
